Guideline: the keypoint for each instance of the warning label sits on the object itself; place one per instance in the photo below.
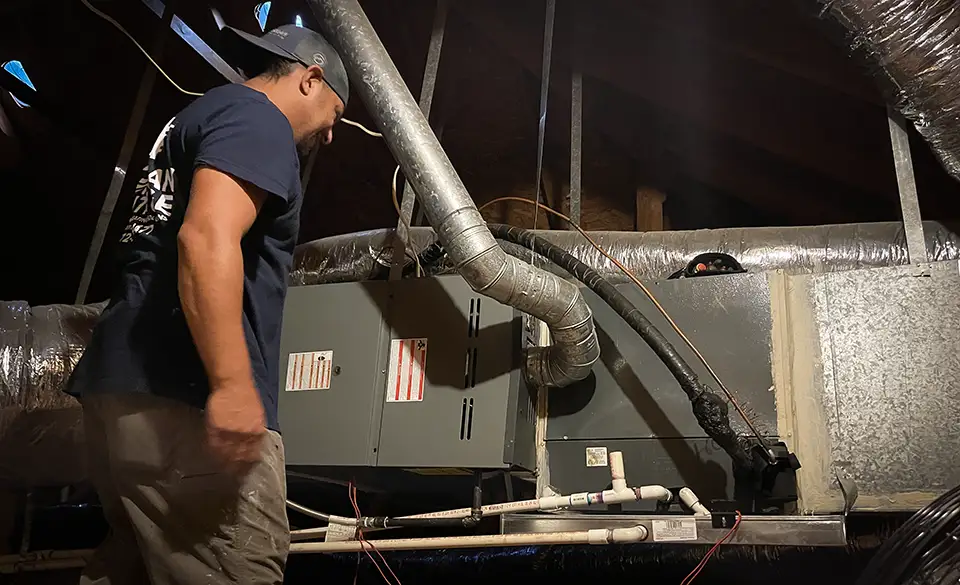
(310, 370)
(406, 371)
(596, 456)
(674, 530)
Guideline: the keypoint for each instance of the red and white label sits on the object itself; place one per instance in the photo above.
(310, 370)
(408, 364)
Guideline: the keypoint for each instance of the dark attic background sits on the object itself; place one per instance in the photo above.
(696, 114)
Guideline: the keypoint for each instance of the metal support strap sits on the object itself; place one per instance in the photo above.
(544, 92)
(196, 43)
(402, 236)
(123, 159)
(907, 184)
(576, 129)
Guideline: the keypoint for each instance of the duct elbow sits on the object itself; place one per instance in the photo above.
(574, 347)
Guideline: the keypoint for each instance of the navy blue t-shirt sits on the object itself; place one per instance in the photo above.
(141, 342)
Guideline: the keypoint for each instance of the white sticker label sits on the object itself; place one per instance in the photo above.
(674, 530)
(340, 533)
(596, 456)
(407, 369)
(310, 370)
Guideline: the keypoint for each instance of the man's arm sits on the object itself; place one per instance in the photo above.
(210, 280)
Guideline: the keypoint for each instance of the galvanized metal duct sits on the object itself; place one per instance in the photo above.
(450, 209)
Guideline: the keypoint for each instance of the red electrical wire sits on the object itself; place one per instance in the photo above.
(696, 570)
(352, 492)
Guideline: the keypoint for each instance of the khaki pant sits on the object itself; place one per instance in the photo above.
(175, 518)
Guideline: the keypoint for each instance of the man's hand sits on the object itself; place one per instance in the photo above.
(235, 426)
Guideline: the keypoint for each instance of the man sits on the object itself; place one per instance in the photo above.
(179, 383)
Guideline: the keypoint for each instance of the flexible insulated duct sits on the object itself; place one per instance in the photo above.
(652, 255)
(451, 210)
(913, 46)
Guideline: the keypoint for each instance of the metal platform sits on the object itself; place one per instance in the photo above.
(753, 530)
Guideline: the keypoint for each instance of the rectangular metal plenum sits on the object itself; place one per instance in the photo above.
(632, 394)
(632, 403)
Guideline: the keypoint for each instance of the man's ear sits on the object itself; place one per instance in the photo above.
(312, 78)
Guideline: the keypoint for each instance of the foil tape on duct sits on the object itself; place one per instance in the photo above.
(914, 46)
(40, 430)
(798, 250)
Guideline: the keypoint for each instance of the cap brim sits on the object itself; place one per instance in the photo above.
(248, 52)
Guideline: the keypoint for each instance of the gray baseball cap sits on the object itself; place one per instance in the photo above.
(290, 42)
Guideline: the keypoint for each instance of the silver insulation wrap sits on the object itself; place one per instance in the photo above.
(914, 45)
(653, 255)
(40, 430)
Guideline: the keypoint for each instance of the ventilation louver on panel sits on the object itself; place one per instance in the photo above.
(466, 419)
(470, 369)
(472, 355)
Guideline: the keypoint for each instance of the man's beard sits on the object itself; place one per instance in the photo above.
(307, 144)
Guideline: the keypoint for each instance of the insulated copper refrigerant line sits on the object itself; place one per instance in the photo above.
(708, 407)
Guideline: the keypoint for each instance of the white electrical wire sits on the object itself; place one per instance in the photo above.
(362, 127)
(109, 19)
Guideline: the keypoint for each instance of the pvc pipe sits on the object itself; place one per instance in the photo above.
(691, 500)
(619, 479)
(547, 503)
(598, 536)
(655, 492)
(307, 533)
(44, 561)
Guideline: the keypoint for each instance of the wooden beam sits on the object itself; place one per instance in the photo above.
(650, 209)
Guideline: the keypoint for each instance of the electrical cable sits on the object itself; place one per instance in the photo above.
(361, 127)
(308, 512)
(709, 409)
(119, 27)
(409, 251)
(110, 19)
(696, 570)
(923, 546)
(713, 374)
(352, 493)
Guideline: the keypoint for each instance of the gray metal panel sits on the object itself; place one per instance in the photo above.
(697, 463)
(520, 447)
(882, 397)
(633, 395)
(428, 433)
(339, 426)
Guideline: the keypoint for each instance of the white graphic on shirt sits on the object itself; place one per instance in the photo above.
(153, 194)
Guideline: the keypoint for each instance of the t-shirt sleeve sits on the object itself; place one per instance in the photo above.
(251, 141)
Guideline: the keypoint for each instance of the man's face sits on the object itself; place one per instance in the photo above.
(323, 107)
